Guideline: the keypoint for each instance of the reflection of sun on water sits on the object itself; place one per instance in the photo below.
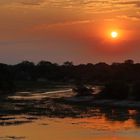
(104, 125)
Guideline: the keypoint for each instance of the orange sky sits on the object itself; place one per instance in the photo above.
(60, 30)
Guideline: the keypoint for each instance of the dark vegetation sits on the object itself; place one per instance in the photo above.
(82, 90)
(120, 79)
(115, 90)
(136, 91)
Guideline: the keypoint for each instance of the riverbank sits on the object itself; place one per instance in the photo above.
(62, 95)
(41, 86)
(92, 101)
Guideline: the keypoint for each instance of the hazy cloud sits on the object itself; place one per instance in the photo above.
(135, 3)
(134, 18)
(47, 26)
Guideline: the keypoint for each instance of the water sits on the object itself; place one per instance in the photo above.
(37, 116)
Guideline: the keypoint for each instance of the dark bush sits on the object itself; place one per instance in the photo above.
(82, 90)
(136, 91)
(115, 90)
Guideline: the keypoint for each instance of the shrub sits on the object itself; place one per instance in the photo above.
(82, 90)
(115, 90)
(136, 91)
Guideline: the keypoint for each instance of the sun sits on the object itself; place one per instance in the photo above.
(114, 34)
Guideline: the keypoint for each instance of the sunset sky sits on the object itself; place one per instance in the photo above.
(69, 30)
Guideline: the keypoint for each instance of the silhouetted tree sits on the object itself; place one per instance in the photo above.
(68, 64)
(129, 61)
(24, 70)
(6, 80)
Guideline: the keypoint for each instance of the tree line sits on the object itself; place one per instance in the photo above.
(67, 72)
(46, 71)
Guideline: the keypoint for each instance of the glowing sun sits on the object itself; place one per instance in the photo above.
(114, 34)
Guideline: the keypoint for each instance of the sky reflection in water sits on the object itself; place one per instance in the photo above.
(38, 119)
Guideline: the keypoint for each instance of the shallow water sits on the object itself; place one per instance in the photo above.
(36, 116)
